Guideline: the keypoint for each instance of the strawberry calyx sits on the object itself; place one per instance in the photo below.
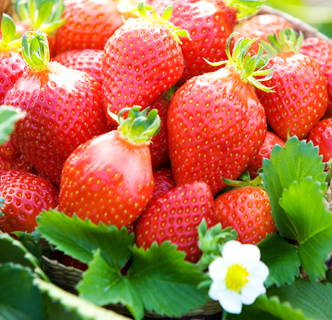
(176, 32)
(245, 8)
(10, 40)
(44, 15)
(289, 41)
(247, 66)
(138, 127)
(245, 181)
(35, 50)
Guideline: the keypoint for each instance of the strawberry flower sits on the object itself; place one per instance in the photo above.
(238, 276)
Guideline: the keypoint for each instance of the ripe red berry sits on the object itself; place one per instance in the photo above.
(163, 182)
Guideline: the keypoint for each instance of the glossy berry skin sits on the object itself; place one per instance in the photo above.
(321, 52)
(216, 126)
(209, 24)
(87, 60)
(11, 69)
(163, 182)
(17, 164)
(8, 151)
(26, 195)
(260, 27)
(141, 62)
(248, 211)
(64, 109)
(321, 136)
(265, 152)
(107, 179)
(175, 217)
(89, 25)
(159, 143)
(299, 99)
(71, 262)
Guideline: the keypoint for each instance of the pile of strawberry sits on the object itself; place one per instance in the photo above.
(145, 123)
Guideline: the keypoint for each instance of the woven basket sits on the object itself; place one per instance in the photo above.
(68, 277)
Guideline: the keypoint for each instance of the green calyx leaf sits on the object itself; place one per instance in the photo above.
(35, 50)
(176, 32)
(10, 41)
(288, 41)
(211, 242)
(245, 8)
(245, 181)
(9, 116)
(45, 15)
(138, 127)
(245, 65)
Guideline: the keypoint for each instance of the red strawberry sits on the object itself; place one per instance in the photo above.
(209, 24)
(260, 27)
(248, 211)
(11, 62)
(71, 262)
(265, 152)
(321, 52)
(64, 109)
(216, 124)
(175, 217)
(89, 24)
(299, 98)
(18, 164)
(142, 60)
(163, 182)
(8, 151)
(87, 60)
(321, 136)
(159, 143)
(25, 197)
(109, 178)
(41, 15)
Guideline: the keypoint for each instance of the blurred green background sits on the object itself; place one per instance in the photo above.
(318, 13)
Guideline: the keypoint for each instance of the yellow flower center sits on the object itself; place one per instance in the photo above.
(236, 277)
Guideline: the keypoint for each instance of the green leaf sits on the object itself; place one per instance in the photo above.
(165, 282)
(103, 285)
(30, 242)
(8, 118)
(65, 306)
(281, 258)
(311, 224)
(297, 161)
(44, 11)
(10, 313)
(8, 29)
(313, 298)
(18, 295)
(80, 239)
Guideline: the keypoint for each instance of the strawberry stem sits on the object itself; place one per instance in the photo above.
(139, 127)
(245, 65)
(289, 41)
(245, 8)
(9, 41)
(35, 50)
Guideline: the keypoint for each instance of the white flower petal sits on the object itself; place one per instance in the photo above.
(231, 302)
(218, 269)
(261, 271)
(232, 251)
(250, 293)
(215, 290)
(249, 256)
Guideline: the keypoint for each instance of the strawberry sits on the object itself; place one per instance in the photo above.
(163, 182)
(260, 27)
(64, 109)
(11, 62)
(321, 52)
(89, 24)
(216, 124)
(265, 152)
(87, 60)
(320, 135)
(41, 15)
(159, 143)
(71, 262)
(209, 24)
(248, 211)
(25, 197)
(142, 60)
(17, 164)
(175, 217)
(9, 152)
(299, 98)
(109, 178)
